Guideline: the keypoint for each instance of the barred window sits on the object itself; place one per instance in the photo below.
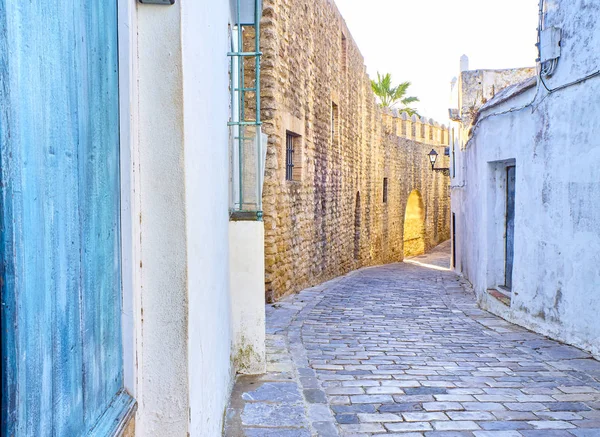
(293, 154)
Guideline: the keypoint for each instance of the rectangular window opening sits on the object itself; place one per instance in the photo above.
(385, 190)
(335, 127)
(293, 168)
(344, 53)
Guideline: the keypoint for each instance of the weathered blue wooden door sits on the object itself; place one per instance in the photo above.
(59, 160)
(510, 225)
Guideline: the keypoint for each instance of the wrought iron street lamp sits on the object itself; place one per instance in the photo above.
(432, 158)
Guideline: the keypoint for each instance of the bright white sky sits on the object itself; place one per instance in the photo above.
(422, 41)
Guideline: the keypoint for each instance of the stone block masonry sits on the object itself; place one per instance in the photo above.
(329, 217)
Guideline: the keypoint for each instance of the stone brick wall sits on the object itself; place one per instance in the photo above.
(476, 87)
(314, 85)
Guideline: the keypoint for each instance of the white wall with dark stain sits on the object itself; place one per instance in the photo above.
(183, 370)
(247, 284)
(162, 346)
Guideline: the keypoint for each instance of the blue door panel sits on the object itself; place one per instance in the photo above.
(45, 220)
(510, 225)
(7, 273)
(99, 191)
(59, 160)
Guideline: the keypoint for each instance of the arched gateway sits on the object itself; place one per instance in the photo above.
(414, 225)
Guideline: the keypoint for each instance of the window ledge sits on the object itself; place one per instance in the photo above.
(245, 216)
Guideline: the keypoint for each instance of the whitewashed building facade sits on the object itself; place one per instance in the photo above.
(526, 183)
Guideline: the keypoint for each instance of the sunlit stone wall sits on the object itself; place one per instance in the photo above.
(314, 86)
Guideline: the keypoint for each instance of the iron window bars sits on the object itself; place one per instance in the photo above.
(247, 153)
(289, 156)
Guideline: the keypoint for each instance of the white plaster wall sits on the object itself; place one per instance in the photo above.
(480, 207)
(556, 149)
(162, 363)
(178, 313)
(456, 176)
(578, 20)
(206, 113)
(246, 243)
(179, 129)
(471, 91)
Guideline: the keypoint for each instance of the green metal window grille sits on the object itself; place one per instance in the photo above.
(248, 144)
(289, 156)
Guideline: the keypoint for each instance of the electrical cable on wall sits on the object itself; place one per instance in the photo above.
(567, 85)
(549, 67)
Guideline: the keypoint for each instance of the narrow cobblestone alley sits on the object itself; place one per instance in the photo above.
(403, 350)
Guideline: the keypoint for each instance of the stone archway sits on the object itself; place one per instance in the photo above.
(414, 225)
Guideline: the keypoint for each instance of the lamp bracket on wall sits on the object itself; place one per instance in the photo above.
(446, 171)
(432, 158)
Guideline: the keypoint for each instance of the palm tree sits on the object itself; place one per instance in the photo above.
(390, 96)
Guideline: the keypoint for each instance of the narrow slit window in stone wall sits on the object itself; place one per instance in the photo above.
(344, 53)
(385, 190)
(335, 128)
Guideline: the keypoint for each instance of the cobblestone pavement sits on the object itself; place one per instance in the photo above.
(403, 350)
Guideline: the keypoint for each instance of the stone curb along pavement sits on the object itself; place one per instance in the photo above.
(288, 401)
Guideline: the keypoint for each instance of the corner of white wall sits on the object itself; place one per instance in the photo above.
(247, 289)
(162, 362)
(206, 97)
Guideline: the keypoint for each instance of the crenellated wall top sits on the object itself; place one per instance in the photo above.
(421, 129)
